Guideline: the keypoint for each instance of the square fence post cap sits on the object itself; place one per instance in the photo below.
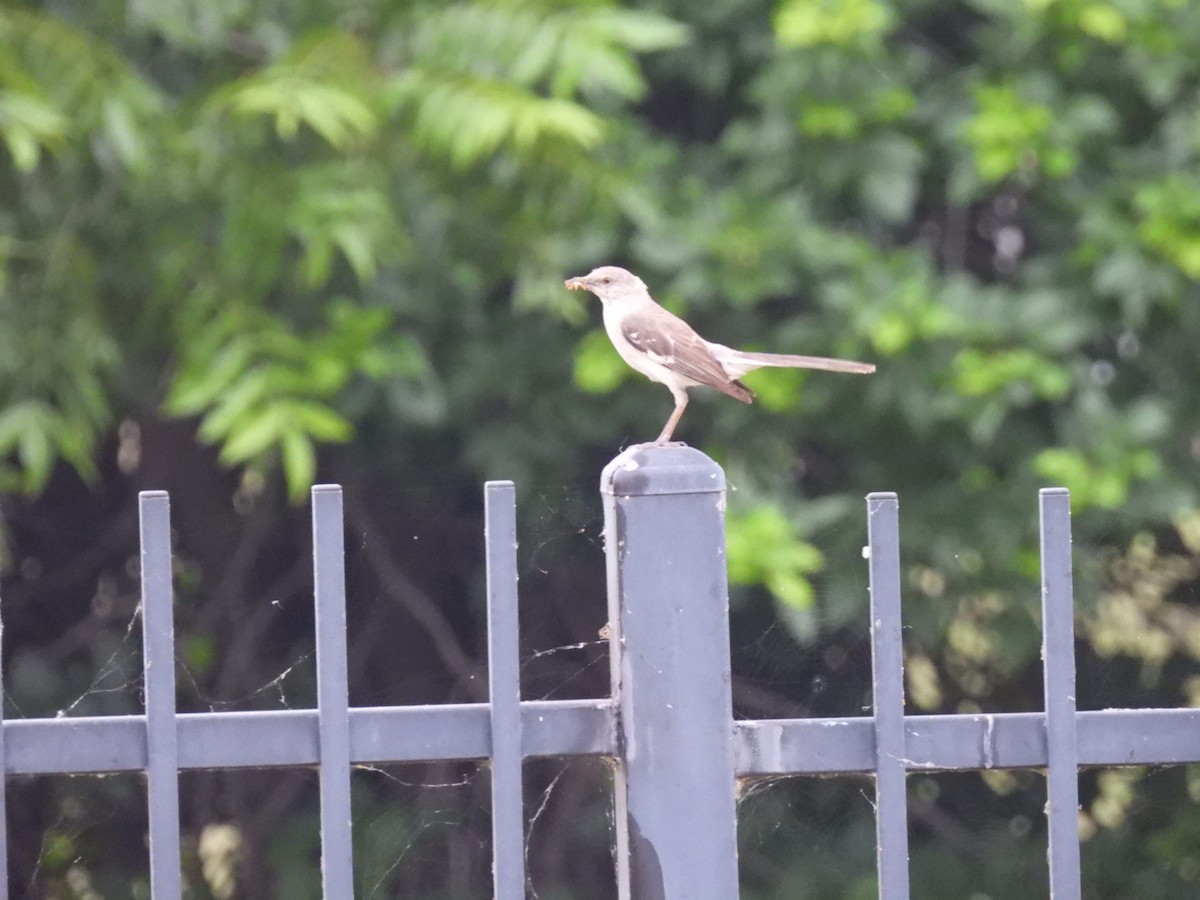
(648, 470)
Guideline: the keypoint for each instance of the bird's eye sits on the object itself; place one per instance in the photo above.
(606, 280)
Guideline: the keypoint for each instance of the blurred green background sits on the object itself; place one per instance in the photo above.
(249, 245)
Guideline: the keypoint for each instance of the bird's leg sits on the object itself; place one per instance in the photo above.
(681, 400)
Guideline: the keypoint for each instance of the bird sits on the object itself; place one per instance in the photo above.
(666, 349)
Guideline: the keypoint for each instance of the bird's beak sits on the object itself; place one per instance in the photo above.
(576, 284)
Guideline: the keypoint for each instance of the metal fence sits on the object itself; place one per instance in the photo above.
(668, 724)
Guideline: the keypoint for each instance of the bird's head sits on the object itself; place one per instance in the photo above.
(609, 283)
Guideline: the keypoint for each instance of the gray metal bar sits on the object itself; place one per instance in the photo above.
(264, 738)
(1109, 737)
(1138, 737)
(158, 657)
(1058, 660)
(504, 686)
(462, 731)
(333, 723)
(3, 789)
(668, 612)
(887, 666)
(984, 741)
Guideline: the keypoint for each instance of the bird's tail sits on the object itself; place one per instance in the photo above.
(738, 362)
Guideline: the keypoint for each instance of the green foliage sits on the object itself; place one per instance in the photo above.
(326, 157)
(335, 235)
(763, 550)
(1012, 136)
(1169, 220)
(482, 77)
(1096, 484)
(809, 23)
(322, 83)
(262, 388)
(37, 433)
(30, 125)
(979, 374)
(598, 368)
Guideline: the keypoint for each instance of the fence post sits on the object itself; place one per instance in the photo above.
(668, 609)
(887, 675)
(333, 702)
(3, 785)
(504, 692)
(1058, 661)
(158, 661)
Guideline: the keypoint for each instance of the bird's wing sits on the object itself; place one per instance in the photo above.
(669, 341)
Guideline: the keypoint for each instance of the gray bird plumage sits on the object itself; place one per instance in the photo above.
(667, 349)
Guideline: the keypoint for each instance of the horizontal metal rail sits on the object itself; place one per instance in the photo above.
(1111, 737)
(266, 738)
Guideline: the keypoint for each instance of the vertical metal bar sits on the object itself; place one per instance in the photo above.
(158, 658)
(329, 575)
(668, 608)
(887, 664)
(3, 769)
(504, 679)
(1058, 661)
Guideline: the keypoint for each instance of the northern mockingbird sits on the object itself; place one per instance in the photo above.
(665, 349)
